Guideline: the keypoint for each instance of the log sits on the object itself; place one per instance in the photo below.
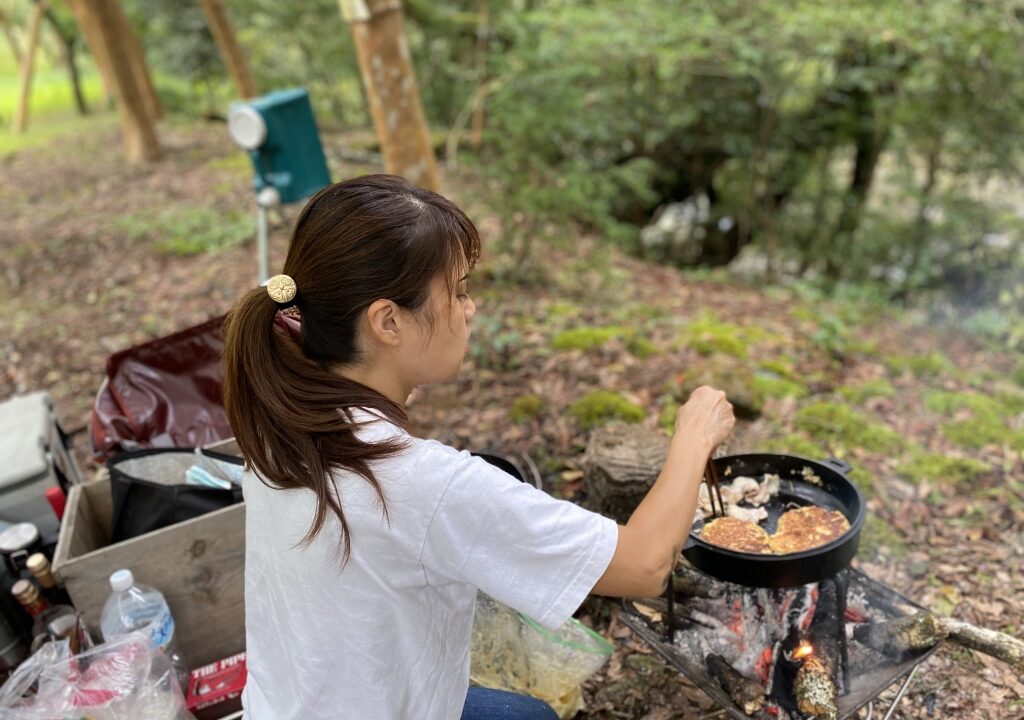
(620, 464)
(901, 636)
(689, 582)
(816, 686)
(746, 693)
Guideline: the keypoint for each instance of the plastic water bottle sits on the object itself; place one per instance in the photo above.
(133, 607)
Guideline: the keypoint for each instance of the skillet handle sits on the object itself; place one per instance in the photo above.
(842, 466)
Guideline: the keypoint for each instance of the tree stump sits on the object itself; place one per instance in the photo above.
(620, 464)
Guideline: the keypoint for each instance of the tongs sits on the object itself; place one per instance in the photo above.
(714, 489)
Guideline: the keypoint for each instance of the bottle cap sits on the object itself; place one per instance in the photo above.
(121, 580)
(25, 592)
(18, 537)
(37, 563)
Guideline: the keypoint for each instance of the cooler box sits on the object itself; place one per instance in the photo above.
(33, 457)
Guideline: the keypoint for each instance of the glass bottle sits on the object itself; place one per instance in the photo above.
(39, 566)
(51, 622)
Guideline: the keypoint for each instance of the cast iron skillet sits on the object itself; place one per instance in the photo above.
(836, 492)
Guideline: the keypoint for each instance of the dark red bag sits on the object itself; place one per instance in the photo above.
(161, 394)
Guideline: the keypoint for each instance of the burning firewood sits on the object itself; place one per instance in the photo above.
(898, 637)
(747, 694)
(815, 687)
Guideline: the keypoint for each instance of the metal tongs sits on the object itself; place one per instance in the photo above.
(714, 489)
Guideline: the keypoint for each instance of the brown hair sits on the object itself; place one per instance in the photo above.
(354, 242)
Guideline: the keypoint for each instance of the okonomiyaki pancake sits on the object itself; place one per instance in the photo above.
(807, 528)
(735, 534)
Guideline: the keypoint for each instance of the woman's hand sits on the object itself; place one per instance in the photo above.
(706, 414)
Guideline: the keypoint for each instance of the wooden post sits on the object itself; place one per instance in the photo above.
(390, 83)
(104, 26)
(20, 118)
(227, 44)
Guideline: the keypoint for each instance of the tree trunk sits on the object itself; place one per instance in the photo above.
(93, 40)
(227, 44)
(20, 119)
(104, 25)
(12, 40)
(390, 83)
(136, 58)
(476, 138)
(620, 464)
(68, 39)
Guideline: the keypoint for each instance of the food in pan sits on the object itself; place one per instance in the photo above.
(800, 529)
(735, 534)
(807, 528)
(746, 490)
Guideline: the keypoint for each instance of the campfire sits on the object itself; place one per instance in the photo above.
(784, 653)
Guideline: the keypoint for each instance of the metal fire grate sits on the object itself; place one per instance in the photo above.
(870, 675)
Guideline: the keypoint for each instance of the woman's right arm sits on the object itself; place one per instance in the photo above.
(652, 539)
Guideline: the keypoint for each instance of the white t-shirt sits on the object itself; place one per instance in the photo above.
(386, 637)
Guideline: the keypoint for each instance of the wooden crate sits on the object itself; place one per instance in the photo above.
(198, 565)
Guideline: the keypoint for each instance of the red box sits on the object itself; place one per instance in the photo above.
(215, 690)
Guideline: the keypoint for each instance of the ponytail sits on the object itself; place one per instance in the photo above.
(293, 419)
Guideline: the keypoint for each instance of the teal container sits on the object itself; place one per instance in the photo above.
(280, 133)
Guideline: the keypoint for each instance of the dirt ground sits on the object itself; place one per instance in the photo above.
(79, 283)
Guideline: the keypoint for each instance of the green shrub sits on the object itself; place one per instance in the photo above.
(602, 406)
(842, 428)
(525, 408)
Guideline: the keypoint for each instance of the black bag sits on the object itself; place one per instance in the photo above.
(149, 491)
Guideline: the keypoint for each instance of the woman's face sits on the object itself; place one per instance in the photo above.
(437, 353)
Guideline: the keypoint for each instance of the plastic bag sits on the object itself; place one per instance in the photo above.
(510, 651)
(121, 680)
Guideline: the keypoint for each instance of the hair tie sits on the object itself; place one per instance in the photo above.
(282, 289)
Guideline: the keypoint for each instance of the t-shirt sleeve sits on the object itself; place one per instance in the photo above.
(526, 549)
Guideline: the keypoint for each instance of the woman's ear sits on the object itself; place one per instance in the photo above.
(383, 322)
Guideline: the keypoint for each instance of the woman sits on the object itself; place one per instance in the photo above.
(365, 546)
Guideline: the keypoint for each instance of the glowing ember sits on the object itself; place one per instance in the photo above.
(803, 651)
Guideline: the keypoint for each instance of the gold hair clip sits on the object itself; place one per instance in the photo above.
(281, 289)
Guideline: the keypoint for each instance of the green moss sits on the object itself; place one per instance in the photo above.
(730, 375)
(926, 365)
(771, 385)
(641, 347)
(841, 428)
(794, 444)
(987, 424)
(1018, 373)
(589, 338)
(602, 406)
(563, 309)
(878, 535)
(863, 391)
(667, 415)
(863, 479)
(708, 336)
(981, 431)
(781, 366)
(934, 467)
(525, 408)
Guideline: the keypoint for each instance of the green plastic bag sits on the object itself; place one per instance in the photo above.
(510, 651)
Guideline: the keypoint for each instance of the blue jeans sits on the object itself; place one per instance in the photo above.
(488, 704)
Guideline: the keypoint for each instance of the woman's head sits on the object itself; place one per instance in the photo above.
(372, 238)
(367, 255)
